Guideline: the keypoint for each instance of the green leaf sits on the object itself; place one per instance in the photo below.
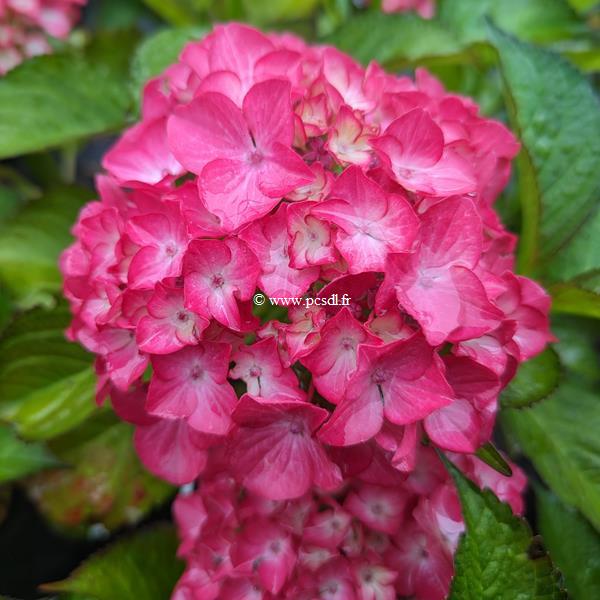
(116, 14)
(142, 566)
(583, 56)
(576, 554)
(577, 346)
(405, 39)
(533, 20)
(159, 51)
(560, 437)
(18, 458)
(261, 12)
(103, 482)
(47, 384)
(583, 5)
(571, 299)
(490, 456)
(179, 12)
(52, 100)
(575, 272)
(10, 202)
(535, 380)
(394, 40)
(6, 307)
(31, 243)
(557, 115)
(494, 558)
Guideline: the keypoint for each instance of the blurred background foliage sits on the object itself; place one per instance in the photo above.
(70, 482)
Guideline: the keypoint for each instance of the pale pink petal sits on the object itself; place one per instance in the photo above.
(454, 427)
(217, 274)
(259, 366)
(354, 420)
(142, 155)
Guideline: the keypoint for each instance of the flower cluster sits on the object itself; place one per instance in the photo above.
(381, 537)
(261, 163)
(26, 24)
(424, 8)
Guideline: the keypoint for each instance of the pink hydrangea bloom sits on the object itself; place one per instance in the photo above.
(363, 202)
(364, 540)
(26, 24)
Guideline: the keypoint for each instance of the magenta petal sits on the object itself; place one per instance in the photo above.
(354, 421)
(372, 222)
(171, 450)
(420, 140)
(209, 127)
(230, 190)
(454, 427)
(191, 384)
(333, 360)
(218, 273)
(268, 111)
(274, 452)
(283, 172)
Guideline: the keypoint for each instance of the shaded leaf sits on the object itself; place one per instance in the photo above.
(141, 566)
(179, 12)
(493, 558)
(5, 498)
(103, 481)
(458, 33)
(576, 554)
(10, 202)
(534, 20)
(560, 437)
(490, 456)
(535, 380)
(578, 264)
(6, 307)
(396, 39)
(54, 99)
(18, 458)
(577, 346)
(32, 241)
(47, 384)
(116, 14)
(557, 115)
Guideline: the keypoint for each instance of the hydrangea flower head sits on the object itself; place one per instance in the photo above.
(361, 203)
(367, 540)
(26, 24)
